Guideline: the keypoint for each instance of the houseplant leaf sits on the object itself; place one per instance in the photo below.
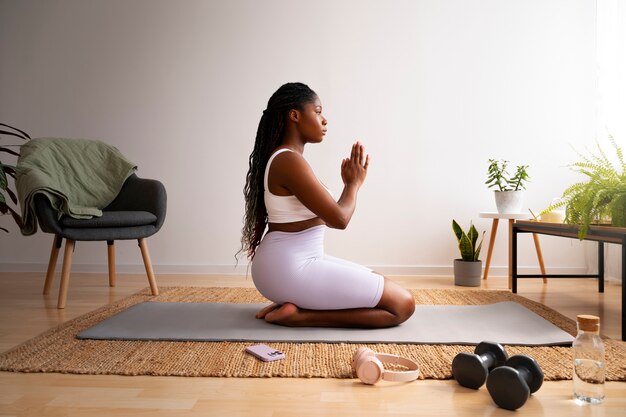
(9, 170)
(600, 197)
(473, 235)
(24, 135)
(4, 184)
(465, 246)
(477, 250)
(458, 232)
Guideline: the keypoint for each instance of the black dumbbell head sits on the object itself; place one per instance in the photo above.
(471, 369)
(510, 386)
(507, 388)
(534, 378)
(494, 349)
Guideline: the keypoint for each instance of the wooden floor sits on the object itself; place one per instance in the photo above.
(24, 313)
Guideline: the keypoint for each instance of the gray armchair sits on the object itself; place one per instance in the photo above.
(136, 213)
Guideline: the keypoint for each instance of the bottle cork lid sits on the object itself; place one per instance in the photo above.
(588, 322)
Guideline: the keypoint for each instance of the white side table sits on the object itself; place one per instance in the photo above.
(511, 217)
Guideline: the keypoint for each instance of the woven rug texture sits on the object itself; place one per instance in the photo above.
(58, 350)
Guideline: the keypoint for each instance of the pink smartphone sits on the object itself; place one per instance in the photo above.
(265, 353)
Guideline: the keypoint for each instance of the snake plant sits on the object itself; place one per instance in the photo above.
(468, 242)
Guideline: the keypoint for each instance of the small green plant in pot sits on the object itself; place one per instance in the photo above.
(7, 195)
(509, 194)
(602, 198)
(467, 270)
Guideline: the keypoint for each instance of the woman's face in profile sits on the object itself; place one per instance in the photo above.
(311, 123)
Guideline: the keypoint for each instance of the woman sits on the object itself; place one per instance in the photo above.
(289, 266)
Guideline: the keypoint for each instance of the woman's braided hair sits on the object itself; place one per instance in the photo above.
(269, 136)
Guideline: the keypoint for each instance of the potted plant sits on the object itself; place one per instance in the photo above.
(6, 193)
(509, 195)
(467, 270)
(602, 198)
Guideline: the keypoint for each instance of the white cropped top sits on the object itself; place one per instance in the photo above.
(283, 208)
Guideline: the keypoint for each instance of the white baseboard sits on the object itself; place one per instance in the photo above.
(242, 269)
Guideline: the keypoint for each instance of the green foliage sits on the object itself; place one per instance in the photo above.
(498, 176)
(467, 242)
(9, 170)
(601, 197)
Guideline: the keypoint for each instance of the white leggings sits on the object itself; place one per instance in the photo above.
(292, 267)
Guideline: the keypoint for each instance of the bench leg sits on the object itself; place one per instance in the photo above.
(601, 267)
(623, 289)
(511, 221)
(514, 262)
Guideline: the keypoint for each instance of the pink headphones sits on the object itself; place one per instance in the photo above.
(368, 366)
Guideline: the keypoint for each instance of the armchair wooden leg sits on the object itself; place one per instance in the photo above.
(65, 275)
(52, 263)
(146, 261)
(111, 253)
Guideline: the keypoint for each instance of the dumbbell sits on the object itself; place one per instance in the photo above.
(510, 385)
(471, 369)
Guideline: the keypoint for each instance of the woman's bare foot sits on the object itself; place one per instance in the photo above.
(263, 312)
(282, 315)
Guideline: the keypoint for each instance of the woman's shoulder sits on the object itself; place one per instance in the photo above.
(287, 154)
(289, 160)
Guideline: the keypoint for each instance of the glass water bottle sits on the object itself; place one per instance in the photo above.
(589, 363)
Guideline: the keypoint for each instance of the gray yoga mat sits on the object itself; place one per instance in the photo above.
(505, 322)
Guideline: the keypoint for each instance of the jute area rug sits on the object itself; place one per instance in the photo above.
(58, 350)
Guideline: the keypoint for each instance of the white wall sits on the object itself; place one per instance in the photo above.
(433, 89)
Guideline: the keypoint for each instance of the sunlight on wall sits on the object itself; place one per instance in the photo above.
(433, 88)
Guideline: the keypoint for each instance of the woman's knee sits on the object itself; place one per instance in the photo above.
(405, 306)
(398, 301)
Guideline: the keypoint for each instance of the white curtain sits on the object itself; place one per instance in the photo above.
(611, 116)
(611, 63)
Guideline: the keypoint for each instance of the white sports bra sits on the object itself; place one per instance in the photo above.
(283, 208)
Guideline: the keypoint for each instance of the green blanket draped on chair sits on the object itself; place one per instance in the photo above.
(80, 177)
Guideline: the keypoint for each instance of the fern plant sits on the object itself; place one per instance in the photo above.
(9, 171)
(601, 197)
(468, 247)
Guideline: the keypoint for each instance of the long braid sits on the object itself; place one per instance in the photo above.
(269, 136)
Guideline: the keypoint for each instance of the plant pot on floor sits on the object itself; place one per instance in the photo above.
(508, 202)
(467, 273)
